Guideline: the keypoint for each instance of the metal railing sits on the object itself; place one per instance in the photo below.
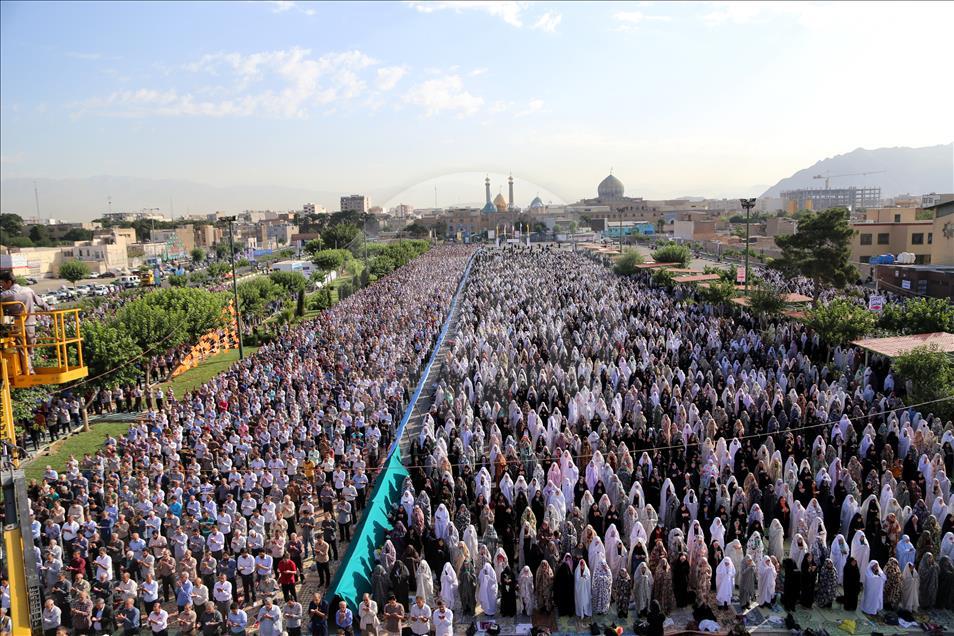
(56, 331)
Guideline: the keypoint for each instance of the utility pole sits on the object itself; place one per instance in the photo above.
(748, 204)
(36, 197)
(235, 296)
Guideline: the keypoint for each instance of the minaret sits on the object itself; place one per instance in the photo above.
(510, 201)
(487, 188)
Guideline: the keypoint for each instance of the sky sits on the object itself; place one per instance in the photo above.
(677, 99)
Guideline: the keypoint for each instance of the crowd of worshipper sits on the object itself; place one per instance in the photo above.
(204, 512)
(603, 446)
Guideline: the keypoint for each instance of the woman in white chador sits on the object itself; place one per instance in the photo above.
(860, 549)
(839, 555)
(425, 582)
(725, 581)
(525, 590)
(873, 599)
(582, 586)
(766, 576)
(487, 590)
(450, 587)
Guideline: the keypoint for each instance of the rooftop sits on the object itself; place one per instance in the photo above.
(897, 345)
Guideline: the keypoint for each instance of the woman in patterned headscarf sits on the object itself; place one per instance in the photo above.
(928, 573)
(892, 585)
(702, 583)
(622, 591)
(543, 587)
(642, 588)
(602, 586)
(662, 586)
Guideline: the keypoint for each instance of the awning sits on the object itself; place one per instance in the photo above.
(897, 345)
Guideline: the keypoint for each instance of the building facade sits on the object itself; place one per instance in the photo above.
(355, 203)
(821, 199)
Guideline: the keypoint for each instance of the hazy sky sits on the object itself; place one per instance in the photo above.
(678, 99)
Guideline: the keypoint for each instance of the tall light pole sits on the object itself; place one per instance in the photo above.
(748, 204)
(235, 296)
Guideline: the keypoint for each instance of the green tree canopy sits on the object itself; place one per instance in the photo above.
(718, 293)
(928, 374)
(820, 249)
(197, 254)
(10, 225)
(417, 230)
(108, 350)
(672, 253)
(74, 271)
(340, 235)
(627, 262)
(918, 315)
(292, 282)
(380, 266)
(314, 245)
(330, 260)
(256, 294)
(766, 301)
(840, 321)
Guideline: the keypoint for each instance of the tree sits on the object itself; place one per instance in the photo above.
(417, 230)
(74, 271)
(330, 260)
(365, 277)
(663, 278)
(108, 350)
(256, 294)
(627, 262)
(718, 293)
(176, 280)
(300, 305)
(340, 235)
(672, 253)
(928, 374)
(10, 225)
(292, 282)
(197, 254)
(765, 301)
(314, 245)
(820, 249)
(918, 315)
(381, 266)
(78, 234)
(840, 321)
(39, 234)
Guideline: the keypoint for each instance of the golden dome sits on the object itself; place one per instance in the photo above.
(500, 202)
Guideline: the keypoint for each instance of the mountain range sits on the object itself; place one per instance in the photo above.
(900, 170)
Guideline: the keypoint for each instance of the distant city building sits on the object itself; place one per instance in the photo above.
(313, 208)
(355, 203)
(129, 217)
(402, 211)
(851, 198)
(930, 200)
(931, 240)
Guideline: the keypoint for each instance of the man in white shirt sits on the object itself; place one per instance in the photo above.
(222, 594)
(420, 617)
(443, 620)
(245, 564)
(159, 620)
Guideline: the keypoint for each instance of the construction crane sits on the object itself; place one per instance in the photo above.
(828, 177)
(56, 336)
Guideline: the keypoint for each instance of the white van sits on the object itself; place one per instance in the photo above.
(128, 281)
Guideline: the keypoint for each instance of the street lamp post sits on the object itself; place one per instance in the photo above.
(748, 204)
(235, 297)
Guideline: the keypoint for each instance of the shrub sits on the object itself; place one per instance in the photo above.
(627, 262)
(672, 253)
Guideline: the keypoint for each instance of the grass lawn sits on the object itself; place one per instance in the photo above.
(194, 378)
(76, 445)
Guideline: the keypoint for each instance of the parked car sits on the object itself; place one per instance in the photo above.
(108, 275)
(101, 290)
(94, 275)
(30, 280)
(50, 299)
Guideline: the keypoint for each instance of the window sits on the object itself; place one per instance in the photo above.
(930, 238)
(866, 239)
(883, 239)
(917, 238)
(897, 218)
(863, 259)
(922, 259)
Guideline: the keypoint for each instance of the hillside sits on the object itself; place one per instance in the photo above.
(906, 171)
